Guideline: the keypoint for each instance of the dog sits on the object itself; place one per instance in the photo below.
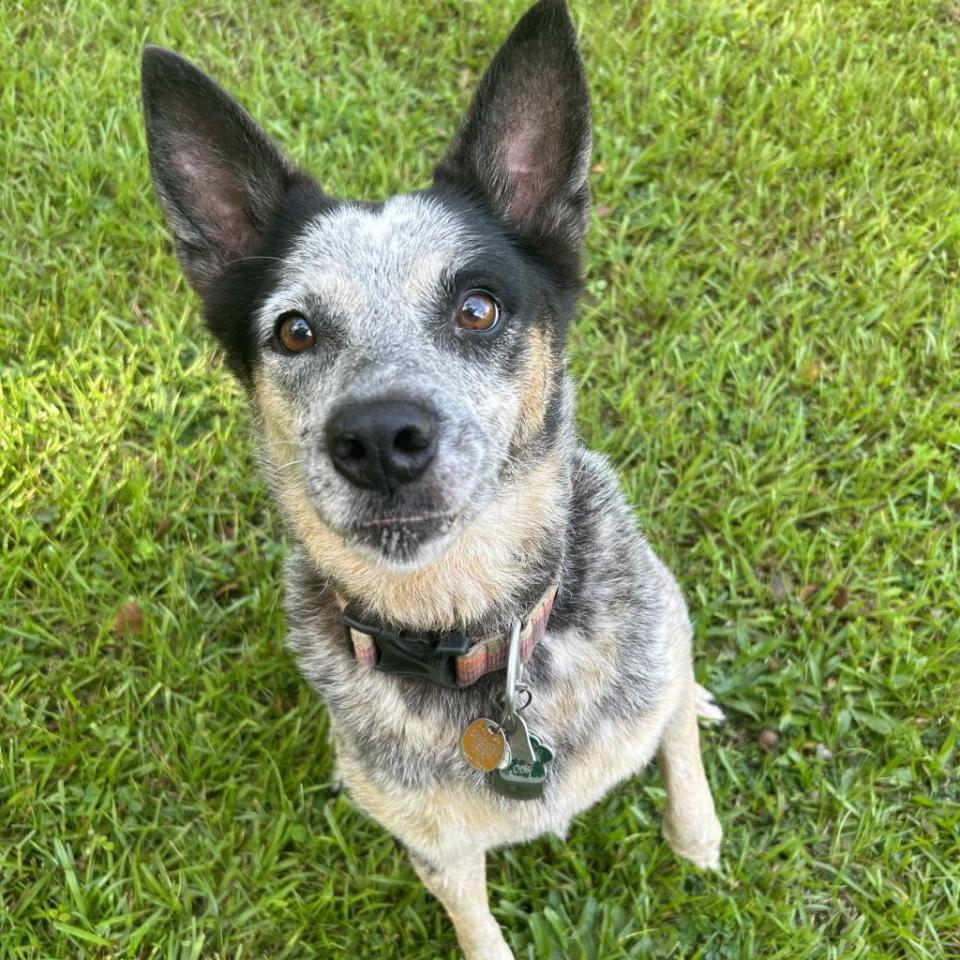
(497, 644)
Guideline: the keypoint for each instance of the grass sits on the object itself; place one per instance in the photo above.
(768, 350)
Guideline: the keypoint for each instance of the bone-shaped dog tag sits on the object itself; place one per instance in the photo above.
(520, 780)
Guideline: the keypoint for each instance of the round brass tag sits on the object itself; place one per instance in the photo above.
(484, 745)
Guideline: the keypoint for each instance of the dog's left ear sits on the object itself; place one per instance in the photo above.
(525, 141)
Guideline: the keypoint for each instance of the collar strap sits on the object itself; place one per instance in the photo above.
(447, 659)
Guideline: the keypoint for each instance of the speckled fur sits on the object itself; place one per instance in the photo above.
(510, 503)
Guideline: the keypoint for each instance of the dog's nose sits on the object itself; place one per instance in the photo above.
(381, 444)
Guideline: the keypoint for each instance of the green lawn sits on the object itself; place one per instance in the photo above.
(769, 350)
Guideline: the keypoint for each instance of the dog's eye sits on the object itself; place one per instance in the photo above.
(478, 311)
(295, 333)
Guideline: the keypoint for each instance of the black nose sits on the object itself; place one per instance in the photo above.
(381, 444)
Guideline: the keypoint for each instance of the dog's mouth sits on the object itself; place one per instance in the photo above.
(401, 537)
(448, 517)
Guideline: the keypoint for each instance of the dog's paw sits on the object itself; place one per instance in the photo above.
(486, 946)
(706, 706)
(699, 843)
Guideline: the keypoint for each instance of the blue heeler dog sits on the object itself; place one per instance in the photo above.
(497, 644)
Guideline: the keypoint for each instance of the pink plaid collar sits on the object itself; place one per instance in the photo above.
(453, 660)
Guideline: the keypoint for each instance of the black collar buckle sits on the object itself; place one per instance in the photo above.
(432, 658)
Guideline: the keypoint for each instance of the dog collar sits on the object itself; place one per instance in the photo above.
(449, 659)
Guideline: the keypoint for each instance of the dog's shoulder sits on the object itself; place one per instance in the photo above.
(609, 563)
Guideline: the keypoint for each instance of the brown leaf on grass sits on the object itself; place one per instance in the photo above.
(769, 740)
(231, 586)
(840, 598)
(162, 527)
(806, 592)
(129, 619)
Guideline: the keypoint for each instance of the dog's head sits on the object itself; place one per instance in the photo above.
(404, 359)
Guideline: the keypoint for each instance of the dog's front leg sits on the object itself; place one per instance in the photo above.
(462, 889)
(690, 822)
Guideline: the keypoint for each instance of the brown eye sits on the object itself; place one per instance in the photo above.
(479, 311)
(295, 333)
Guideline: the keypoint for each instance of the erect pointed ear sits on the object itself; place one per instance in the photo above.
(525, 141)
(218, 176)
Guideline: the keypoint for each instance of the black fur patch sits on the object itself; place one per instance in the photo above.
(234, 298)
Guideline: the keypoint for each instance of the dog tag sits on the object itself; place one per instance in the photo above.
(520, 780)
(484, 745)
(518, 739)
(524, 776)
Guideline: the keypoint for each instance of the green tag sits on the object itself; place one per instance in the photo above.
(521, 780)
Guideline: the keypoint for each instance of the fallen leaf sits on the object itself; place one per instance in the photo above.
(129, 620)
(808, 591)
(769, 740)
(840, 598)
(163, 525)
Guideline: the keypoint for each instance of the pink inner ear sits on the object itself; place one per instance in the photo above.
(523, 171)
(219, 200)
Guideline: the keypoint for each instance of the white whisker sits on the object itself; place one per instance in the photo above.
(230, 263)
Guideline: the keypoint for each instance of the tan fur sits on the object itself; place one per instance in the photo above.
(690, 823)
(533, 388)
(488, 557)
(462, 889)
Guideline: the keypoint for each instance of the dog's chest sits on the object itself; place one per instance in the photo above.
(459, 812)
(400, 757)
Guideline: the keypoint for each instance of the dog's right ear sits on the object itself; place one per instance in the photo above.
(219, 177)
